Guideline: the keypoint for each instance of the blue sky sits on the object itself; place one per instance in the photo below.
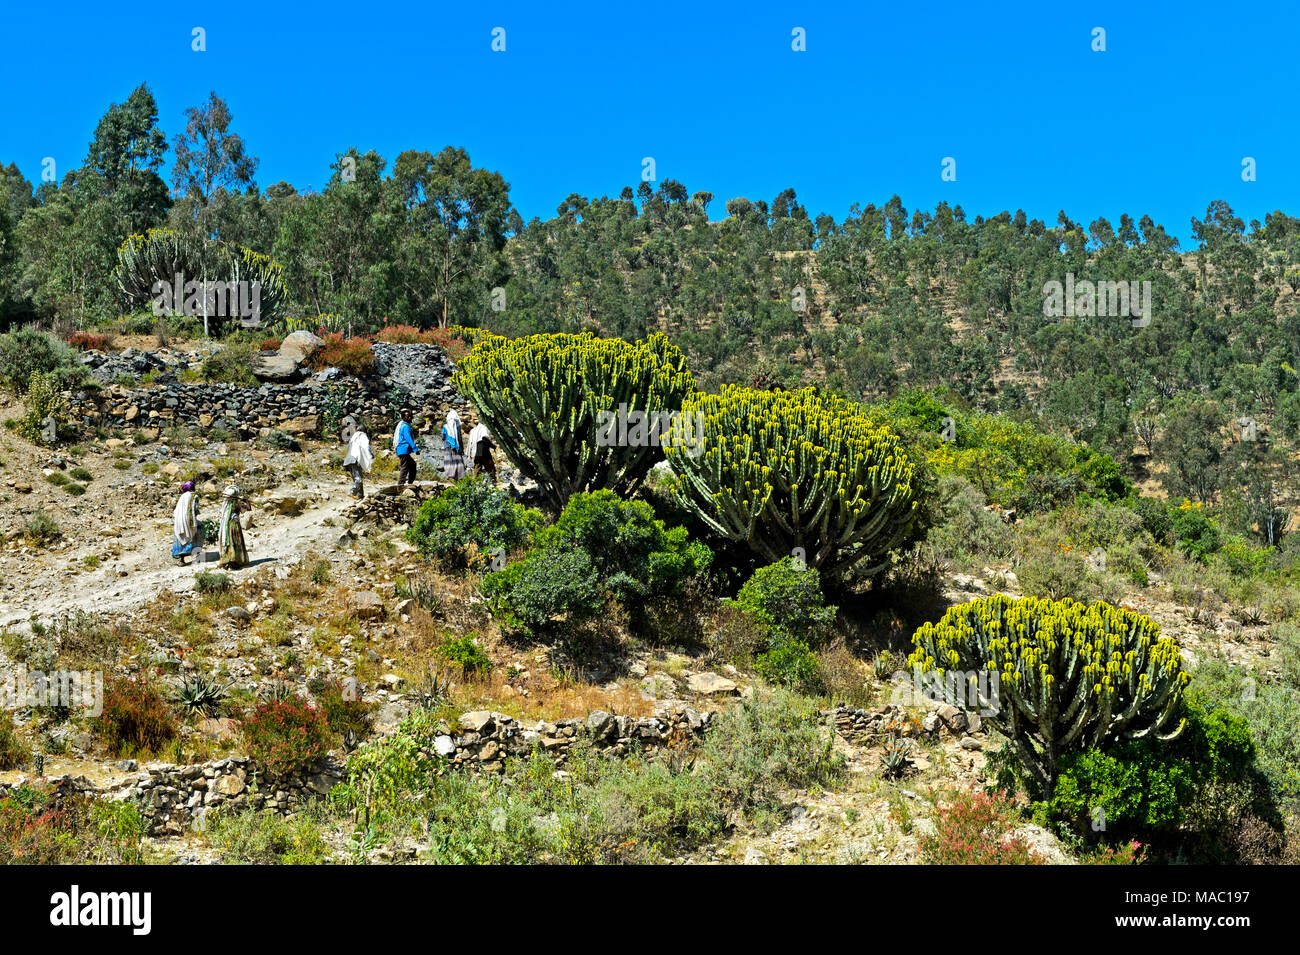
(1158, 123)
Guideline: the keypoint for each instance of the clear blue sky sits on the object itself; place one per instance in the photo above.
(1159, 123)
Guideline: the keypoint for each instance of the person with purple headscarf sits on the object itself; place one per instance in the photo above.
(187, 532)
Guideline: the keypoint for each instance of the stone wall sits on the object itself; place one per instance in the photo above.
(175, 798)
(407, 375)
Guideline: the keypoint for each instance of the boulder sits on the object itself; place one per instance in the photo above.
(710, 684)
(366, 605)
(303, 425)
(277, 368)
(299, 346)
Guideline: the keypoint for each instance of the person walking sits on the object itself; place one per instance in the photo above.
(230, 533)
(480, 451)
(405, 449)
(187, 530)
(359, 459)
(453, 458)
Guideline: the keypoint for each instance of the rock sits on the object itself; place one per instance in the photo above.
(366, 605)
(444, 746)
(599, 724)
(277, 368)
(229, 785)
(391, 680)
(710, 684)
(303, 425)
(404, 606)
(479, 721)
(970, 742)
(239, 615)
(299, 346)
(659, 686)
(952, 717)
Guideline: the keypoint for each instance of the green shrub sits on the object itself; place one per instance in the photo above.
(600, 548)
(787, 596)
(27, 352)
(43, 401)
(135, 719)
(543, 588)
(211, 582)
(792, 664)
(1150, 789)
(464, 651)
(965, 531)
(232, 364)
(13, 751)
(41, 528)
(286, 736)
(472, 513)
(265, 837)
(1196, 533)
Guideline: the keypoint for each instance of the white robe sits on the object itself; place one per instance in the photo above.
(476, 434)
(359, 452)
(185, 519)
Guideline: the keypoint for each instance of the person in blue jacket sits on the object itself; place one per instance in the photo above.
(404, 448)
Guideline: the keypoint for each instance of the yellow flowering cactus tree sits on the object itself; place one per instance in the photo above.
(796, 473)
(554, 404)
(1068, 675)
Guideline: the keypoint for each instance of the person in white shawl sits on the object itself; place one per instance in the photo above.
(453, 455)
(359, 459)
(480, 446)
(187, 532)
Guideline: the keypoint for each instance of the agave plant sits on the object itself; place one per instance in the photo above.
(278, 691)
(883, 665)
(893, 760)
(199, 695)
(432, 689)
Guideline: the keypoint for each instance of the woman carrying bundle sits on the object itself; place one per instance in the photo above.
(230, 534)
(187, 530)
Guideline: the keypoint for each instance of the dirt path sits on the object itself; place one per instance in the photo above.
(146, 568)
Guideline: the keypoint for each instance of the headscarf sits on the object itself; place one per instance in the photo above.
(185, 523)
(452, 429)
(229, 512)
(477, 434)
(359, 451)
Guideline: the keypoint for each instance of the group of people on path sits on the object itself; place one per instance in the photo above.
(189, 537)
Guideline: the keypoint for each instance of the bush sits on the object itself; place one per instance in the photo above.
(286, 736)
(600, 548)
(798, 473)
(532, 594)
(231, 364)
(344, 712)
(788, 598)
(351, 356)
(26, 352)
(1148, 789)
(472, 514)
(549, 398)
(211, 582)
(973, 830)
(43, 400)
(41, 529)
(465, 652)
(264, 837)
(13, 751)
(39, 827)
(791, 663)
(1196, 533)
(966, 531)
(135, 719)
(1069, 677)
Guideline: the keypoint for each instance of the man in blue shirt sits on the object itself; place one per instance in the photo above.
(404, 448)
